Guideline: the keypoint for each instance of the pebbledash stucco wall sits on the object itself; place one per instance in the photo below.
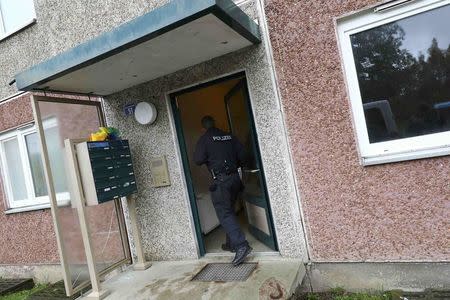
(388, 212)
(164, 213)
(60, 26)
(397, 211)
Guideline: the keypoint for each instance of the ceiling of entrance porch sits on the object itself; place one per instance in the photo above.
(114, 62)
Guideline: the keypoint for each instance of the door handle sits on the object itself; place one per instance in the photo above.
(251, 171)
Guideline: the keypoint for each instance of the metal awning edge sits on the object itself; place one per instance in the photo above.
(141, 29)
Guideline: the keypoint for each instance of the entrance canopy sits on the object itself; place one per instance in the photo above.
(177, 35)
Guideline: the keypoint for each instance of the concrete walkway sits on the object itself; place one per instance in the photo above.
(274, 278)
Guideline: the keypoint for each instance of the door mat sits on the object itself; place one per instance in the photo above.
(56, 291)
(224, 272)
(8, 286)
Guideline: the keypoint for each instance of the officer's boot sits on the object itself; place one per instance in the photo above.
(241, 254)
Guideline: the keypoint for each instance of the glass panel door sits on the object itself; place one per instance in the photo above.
(63, 119)
(254, 195)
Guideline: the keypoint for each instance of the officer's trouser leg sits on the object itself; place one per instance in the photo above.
(228, 240)
(223, 201)
(233, 207)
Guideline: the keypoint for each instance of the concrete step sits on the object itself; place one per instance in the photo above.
(274, 278)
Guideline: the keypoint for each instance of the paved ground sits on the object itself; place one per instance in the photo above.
(274, 278)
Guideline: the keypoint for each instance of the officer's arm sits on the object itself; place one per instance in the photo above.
(200, 155)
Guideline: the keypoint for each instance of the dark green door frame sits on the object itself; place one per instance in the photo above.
(185, 158)
(187, 174)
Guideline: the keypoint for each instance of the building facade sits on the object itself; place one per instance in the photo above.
(27, 238)
(332, 199)
(366, 206)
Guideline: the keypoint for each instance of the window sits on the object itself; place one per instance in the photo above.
(397, 65)
(23, 170)
(15, 15)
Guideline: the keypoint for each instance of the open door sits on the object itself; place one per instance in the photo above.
(255, 194)
(232, 115)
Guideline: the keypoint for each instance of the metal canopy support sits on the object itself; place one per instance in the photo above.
(141, 263)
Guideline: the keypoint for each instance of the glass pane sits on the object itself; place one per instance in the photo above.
(76, 121)
(15, 170)
(238, 116)
(16, 13)
(56, 157)
(403, 72)
(37, 168)
(253, 195)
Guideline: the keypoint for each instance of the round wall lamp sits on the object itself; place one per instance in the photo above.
(145, 113)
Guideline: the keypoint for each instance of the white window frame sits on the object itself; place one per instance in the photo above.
(32, 201)
(430, 145)
(4, 34)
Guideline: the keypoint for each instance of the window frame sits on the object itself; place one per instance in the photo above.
(4, 34)
(32, 201)
(429, 145)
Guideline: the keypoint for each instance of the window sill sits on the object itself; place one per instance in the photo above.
(27, 208)
(17, 30)
(405, 156)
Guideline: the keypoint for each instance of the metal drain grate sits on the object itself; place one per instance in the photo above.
(225, 272)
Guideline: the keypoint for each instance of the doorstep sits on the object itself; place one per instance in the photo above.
(272, 279)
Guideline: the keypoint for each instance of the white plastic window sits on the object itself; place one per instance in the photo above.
(22, 168)
(396, 62)
(15, 15)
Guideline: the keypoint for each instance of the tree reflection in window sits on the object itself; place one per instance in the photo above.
(394, 65)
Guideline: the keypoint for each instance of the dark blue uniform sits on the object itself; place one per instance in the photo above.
(223, 154)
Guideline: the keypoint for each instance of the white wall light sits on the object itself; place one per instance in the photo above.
(145, 113)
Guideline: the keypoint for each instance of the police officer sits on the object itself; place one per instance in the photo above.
(223, 154)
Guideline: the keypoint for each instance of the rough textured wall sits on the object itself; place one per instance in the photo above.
(396, 211)
(60, 26)
(164, 213)
(25, 238)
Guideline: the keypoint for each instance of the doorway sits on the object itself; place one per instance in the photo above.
(227, 101)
